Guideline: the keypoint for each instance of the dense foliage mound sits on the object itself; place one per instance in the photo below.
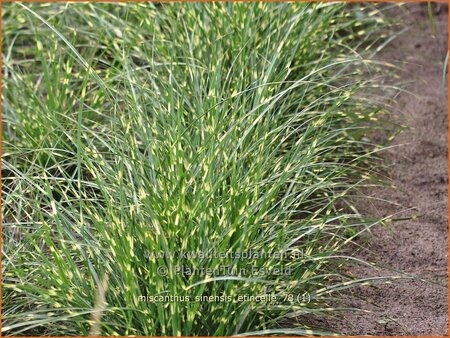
(190, 150)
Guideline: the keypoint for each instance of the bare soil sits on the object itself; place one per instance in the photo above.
(418, 171)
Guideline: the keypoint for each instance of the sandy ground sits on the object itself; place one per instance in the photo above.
(418, 170)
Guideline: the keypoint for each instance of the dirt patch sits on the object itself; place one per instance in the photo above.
(418, 170)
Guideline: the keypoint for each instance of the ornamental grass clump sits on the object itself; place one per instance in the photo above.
(147, 147)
